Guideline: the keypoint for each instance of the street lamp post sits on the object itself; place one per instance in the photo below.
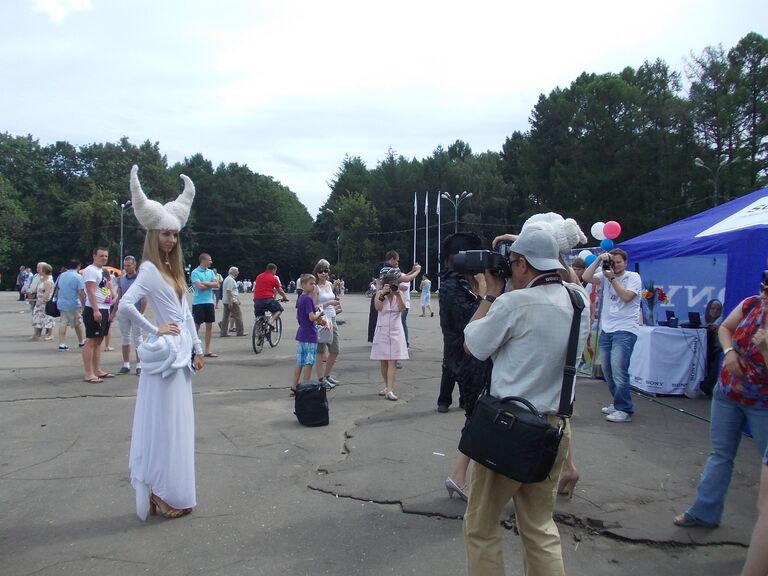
(715, 174)
(122, 208)
(456, 201)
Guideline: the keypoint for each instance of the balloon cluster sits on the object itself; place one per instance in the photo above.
(606, 232)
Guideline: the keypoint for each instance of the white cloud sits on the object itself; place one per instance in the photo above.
(57, 10)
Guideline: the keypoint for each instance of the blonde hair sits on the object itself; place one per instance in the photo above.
(172, 267)
(46, 268)
(306, 278)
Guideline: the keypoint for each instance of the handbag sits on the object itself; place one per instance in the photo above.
(51, 309)
(324, 333)
(509, 436)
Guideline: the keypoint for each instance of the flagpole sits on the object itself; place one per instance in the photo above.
(426, 232)
(415, 210)
(439, 245)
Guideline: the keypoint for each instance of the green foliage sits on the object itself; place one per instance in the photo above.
(13, 223)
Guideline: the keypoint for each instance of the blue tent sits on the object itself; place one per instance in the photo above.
(720, 253)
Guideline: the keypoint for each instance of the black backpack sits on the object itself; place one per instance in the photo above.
(311, 404)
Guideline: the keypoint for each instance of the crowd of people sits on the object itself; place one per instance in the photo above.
(505, 333)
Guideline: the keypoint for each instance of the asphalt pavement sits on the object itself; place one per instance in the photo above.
(363, 495)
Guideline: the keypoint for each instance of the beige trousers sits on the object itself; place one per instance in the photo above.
(489, 493)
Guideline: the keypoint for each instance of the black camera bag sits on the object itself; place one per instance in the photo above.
(311, 404)
(509, 436)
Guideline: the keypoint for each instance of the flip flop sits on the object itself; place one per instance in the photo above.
(96, 380)
(106, 375)
(211, 355)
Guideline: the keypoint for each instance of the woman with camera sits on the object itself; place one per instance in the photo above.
(388, 338)
(740, 397)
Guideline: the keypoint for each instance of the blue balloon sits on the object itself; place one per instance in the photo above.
(606, 244)
(589, 259)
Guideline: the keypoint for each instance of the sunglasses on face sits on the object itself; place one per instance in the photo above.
(323, 271)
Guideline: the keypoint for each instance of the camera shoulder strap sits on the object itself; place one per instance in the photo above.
(569, 370)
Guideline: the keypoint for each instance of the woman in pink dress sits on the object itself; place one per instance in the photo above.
(389, 339)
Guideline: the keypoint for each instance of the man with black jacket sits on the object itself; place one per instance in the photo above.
(457, 305)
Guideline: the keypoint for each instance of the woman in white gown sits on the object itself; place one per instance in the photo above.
(162, 457)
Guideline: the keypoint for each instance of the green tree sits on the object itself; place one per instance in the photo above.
(356, 216)
(13, 223)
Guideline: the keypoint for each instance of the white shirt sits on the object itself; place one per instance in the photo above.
(102, 287)
(616, 314)
(324, 295)
(526, 332)
(405, 288)
(230, 285)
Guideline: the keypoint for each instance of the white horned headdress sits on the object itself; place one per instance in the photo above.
(155, 216)
(565, 230)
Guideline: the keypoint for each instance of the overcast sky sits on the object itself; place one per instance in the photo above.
(290, 87)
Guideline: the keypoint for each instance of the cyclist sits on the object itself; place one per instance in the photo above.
(264, 288)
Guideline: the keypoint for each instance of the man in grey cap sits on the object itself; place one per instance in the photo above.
(526, 331)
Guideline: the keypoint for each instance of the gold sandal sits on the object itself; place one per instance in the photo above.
(167, 511)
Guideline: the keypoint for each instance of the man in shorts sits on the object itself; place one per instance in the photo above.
(99, 296)
(129, 330)
(70, 299)
(204, 282)
(264, 289)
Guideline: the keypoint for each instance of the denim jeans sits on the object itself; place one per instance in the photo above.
(615, 352)
(404, 318)
(725, 431)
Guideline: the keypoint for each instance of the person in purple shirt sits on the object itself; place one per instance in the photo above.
(306, 335)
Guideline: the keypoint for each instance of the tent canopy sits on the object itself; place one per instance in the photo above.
(737, 229)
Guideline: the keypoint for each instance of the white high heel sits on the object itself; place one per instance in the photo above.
(452, 488)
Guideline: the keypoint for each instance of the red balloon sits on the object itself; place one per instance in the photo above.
(612, 229)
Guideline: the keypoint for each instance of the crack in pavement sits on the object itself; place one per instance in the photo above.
(67, 449)
(397, 503)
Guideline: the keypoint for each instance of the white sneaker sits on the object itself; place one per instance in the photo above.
(619, 416)
(608, 409)
(332, 380)
(327, 384)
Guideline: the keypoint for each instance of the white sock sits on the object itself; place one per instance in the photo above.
(126, 364)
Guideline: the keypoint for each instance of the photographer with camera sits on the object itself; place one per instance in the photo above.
(619, 326)
(389, 337)
(526, 331)
(459, 300)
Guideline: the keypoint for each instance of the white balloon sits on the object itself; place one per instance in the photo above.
(584, 253)
(597, 230)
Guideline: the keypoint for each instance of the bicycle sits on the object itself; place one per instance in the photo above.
(263, 330)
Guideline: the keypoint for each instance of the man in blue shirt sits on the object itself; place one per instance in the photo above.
(204, 282)
(70, 299)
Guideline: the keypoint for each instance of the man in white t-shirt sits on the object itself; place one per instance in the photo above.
(98, 300)
(619, 326)
(231, 301)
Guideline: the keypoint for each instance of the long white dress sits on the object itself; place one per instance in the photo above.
(162, 457)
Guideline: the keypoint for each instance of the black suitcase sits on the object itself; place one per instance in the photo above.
(311, 404)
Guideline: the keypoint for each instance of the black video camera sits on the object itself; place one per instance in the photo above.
(393, 287)
(478, 261)
(608, 264)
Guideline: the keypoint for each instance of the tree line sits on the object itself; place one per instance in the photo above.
(615, 146)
